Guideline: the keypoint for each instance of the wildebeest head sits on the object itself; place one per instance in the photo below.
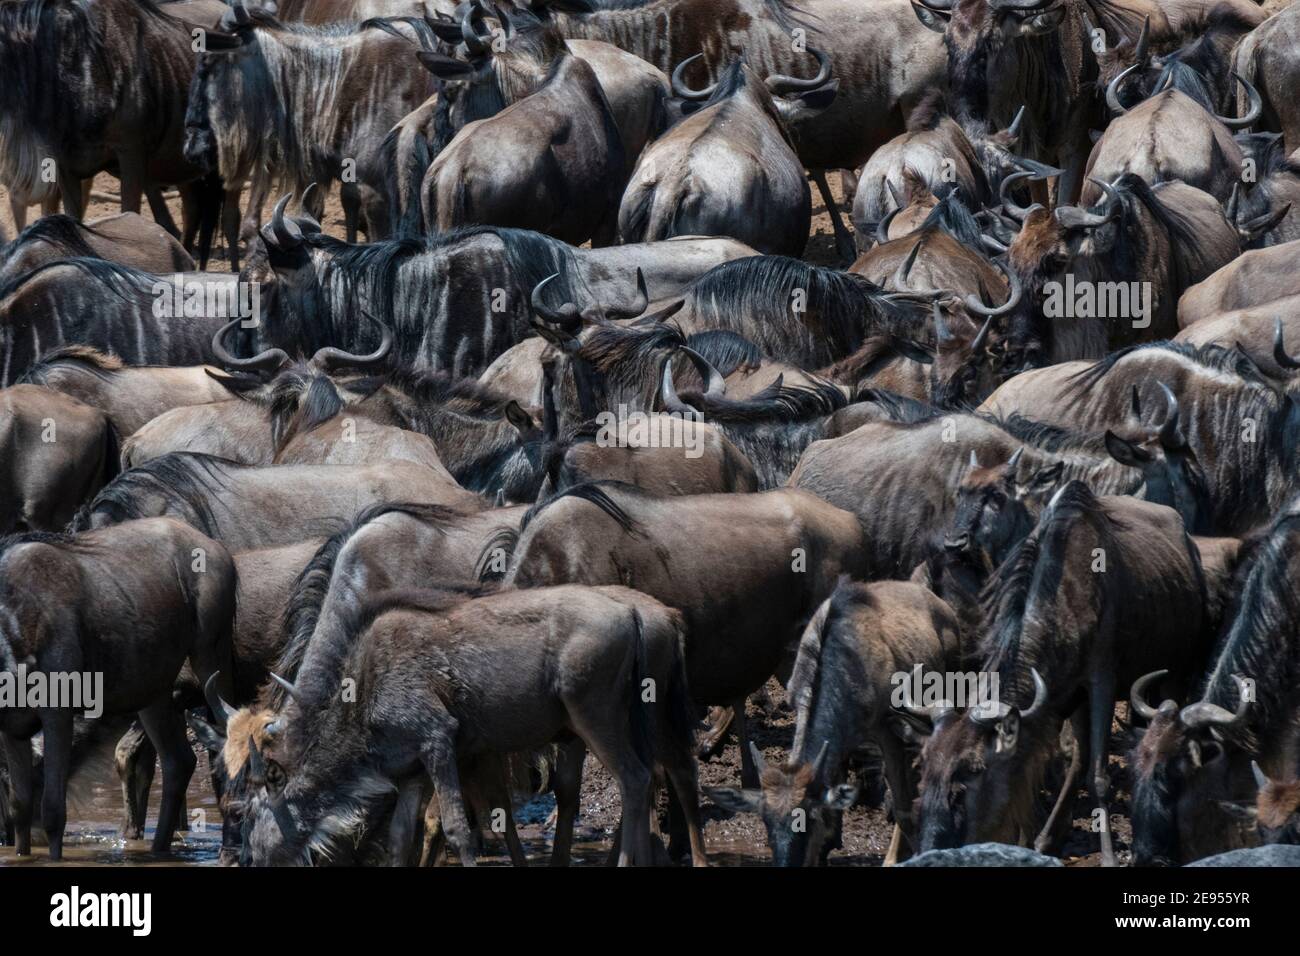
(1276, 813)
(972, 764)
(796, 807)
(985, 38)
(1179, 768)
(789, 100)
(992, 511)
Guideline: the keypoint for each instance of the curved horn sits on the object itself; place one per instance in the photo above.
(1261, 778)
(1073, 217)
(905, 267)
(270, 360)
(285, 685)
(1137, 699)
(469, 36)
(241, 13)
(973, 304)
(931, 715)
(759, 763)
(821, 757)
(330, 357)
(1144, 42)
(1135, 403)
(286, 233)
(1280, 355)
(1204, 714)
(220, 709)
(882, 228)
(992, 245)
(782, 83)
(566, 314)
(1012, 210)
(1256, 106)
(1013, 131)
(668, 392)
(1014, 461)
(1234, 202)
(1040, 695)
(1112, 90)
(256, 765)
(304, 217)
(679, 85)
(1171, 437)
(714, 383)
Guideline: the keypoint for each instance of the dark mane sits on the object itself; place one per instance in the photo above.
(123, 281)
(954, 217)
(725, 350)
(185, 480)
(100, 364)
(594, 493)
(465, 396)
(1210, 356)
(59, 230)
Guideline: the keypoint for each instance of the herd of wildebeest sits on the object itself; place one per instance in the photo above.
(355, 517)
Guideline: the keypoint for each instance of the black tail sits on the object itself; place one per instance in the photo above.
(641, 713)
(681, 719)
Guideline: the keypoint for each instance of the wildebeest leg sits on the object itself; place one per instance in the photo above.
(898, 772)
(18, 754)
(843, 239)
(350, 199)
(566, 782)
(439, 760)
(230, 225)
(134, 759)
(613, 748)
(158, 206)
(748, 771)
(166, 729)
(1052, 837)
(403, 836)
(849, 184)
(681, 772)
(57, 759)
(712, 741)
(74, 203)
(497, 783)
(1101, 709)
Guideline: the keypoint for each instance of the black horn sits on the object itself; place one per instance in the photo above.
(679, 84)
(1280, 355)
(1137, 700)
(271, 360)
(781, 83)
(1256, 106)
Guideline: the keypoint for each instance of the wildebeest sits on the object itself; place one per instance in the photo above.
(449, 675)
(1276, 812)
(246, 507)
(860, 639)
(552, 160)
(1271, 855)
(1055, 623)
(72, 606)
(142, 318)
(126, 238)
(730, 168)
(1240, 425)
(1256, 277)
(1268, 57)
(908, 480)
(1192, 757)
(309, 104)
(57, 453)
(100, 86)
(983, 854)
(744, 599)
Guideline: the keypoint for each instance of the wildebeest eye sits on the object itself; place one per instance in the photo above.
(275, 777)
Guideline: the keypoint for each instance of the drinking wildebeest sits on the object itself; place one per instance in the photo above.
(71, 606)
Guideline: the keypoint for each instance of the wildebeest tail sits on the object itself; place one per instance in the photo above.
(303, 610)
(680, 718)
(803, 677)
(641, 716)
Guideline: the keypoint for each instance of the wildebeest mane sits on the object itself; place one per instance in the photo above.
(187, 481)
(954, 217)
(1211, 356)
(726, 350)
(123, 281)
(58, 230)
(99, 364)
(593, 492)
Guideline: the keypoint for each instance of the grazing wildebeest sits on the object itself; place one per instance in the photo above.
(744, 598)
(305, 104)
(884, 60)
(959, 472)
(529, 666)
(1054, 622)
(552, 160)
(1276, 812)
(71, 605)
(100, 86)
(1256, 277)
(57, 453)
(1242, 428)
(1190, 758)
(1102, 278)
(860, 639)
(983, 854)
(130, 395)
(247, 507)
(126, 238)
(1005, 55)
(142, 318)
(1269, 57)
(729, 169)
(1267, 213)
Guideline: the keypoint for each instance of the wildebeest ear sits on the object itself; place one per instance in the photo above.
(209, 736)
(840, 796)
(1125, 452)
(444, 67)
(217, 41)
(1008, 732)
(518, 417)
(735, 801)
(1044, 479)
(914, 351)
(936, 20)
